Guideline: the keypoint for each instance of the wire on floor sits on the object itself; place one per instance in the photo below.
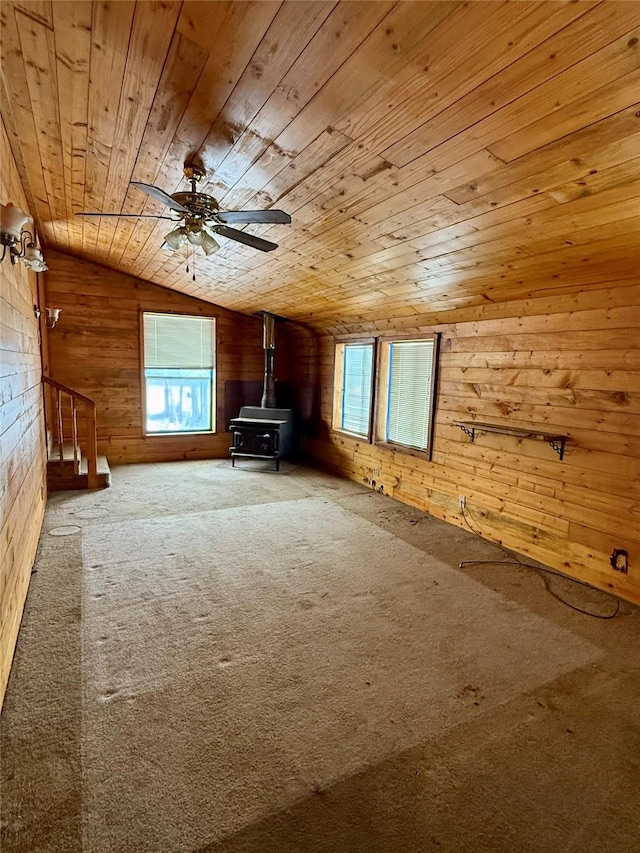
(542, 573)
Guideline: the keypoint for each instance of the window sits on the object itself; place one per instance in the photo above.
(407, 391)
(353, 388)
(179, 371)
(403, 373)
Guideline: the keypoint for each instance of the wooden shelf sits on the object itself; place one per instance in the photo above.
(557, 442)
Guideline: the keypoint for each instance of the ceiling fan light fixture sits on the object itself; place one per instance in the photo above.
(194, 237)
(174, 240)
(208, 244)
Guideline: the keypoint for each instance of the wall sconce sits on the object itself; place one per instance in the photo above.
(52, 317)
(21, 242)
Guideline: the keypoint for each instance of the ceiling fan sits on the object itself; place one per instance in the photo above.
(197, 210)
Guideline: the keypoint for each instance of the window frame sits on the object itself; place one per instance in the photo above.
(338, 387)
(213, 318)
(382, 392)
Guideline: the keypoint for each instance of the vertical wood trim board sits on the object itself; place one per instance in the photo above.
(22, 435)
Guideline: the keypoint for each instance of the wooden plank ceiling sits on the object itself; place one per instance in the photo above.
(433, 155)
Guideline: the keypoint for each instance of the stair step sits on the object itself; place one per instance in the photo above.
(67, 454)
(102, 467)
(60, 477)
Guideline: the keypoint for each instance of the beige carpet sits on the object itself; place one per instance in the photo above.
(239, 659)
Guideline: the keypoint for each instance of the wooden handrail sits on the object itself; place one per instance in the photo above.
(70, 391)
(92, 430)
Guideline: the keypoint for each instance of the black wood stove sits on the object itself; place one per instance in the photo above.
(264, 432)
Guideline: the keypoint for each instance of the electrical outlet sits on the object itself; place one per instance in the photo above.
(462, 501)
(620, 560)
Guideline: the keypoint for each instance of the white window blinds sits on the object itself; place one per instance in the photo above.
(411, 373)
(356, 388)
(174, 340)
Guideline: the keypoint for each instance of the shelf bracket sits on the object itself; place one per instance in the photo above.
(470, 432)
(558, 446)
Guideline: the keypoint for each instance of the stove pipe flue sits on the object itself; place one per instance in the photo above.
(269, 345)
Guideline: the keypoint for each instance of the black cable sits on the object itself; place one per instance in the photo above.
(541, 572)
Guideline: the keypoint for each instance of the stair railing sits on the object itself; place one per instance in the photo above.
(61, 393)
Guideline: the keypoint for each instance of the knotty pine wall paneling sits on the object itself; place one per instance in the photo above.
(22, 434)
(302, 347)
(95, 349)
(571, 365)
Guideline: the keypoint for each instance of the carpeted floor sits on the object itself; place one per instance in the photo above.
(217, 659)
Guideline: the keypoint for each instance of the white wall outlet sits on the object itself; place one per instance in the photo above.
(462, 501)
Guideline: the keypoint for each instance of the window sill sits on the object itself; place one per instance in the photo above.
(404, 448)
(356, 435)
(178, 434)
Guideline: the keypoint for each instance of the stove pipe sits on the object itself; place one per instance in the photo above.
(269, 345)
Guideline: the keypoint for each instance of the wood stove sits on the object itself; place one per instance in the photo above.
(263, 432)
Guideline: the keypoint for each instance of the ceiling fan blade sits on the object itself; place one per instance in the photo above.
(247, 239)
(236, 217)
(127, 215)
(161, 196)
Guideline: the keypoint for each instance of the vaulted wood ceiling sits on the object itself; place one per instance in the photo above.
(433, 155)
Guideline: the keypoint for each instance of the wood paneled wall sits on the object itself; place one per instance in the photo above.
(95, 349)
(22, 436)
(569, 365)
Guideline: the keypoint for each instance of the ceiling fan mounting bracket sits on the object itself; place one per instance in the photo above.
(193, 173)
